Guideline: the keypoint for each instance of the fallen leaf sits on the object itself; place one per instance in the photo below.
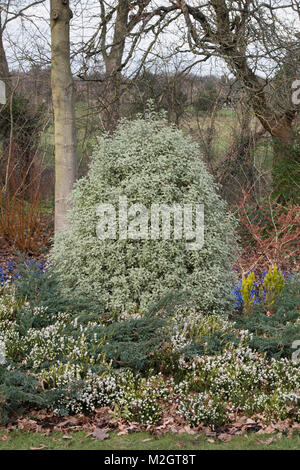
(250, 421)
(26, 424)
(173, 429)
(211, 434)
(42, 446)
(269, 430)
(268, 441)
(100, 434)
(188, 430)
(69, 421)
(224, 437)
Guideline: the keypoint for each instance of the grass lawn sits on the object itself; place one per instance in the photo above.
(20, 440)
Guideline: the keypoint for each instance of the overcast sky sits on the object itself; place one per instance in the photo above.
(29, 40)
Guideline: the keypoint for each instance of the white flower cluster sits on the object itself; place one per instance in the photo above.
(10, 337)
(131, 396)
(129, 316)
(140, 399)
(189, 326)
(7, 302)
(242, 379)
(50, 343)
(84, 396)
(201, 408)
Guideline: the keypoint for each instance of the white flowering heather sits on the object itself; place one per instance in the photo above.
(52, 342)
(131, 396)
(150, 163)
(202, 409)
(188, 326)
(243, 380)
(7, 302)
(88, 394)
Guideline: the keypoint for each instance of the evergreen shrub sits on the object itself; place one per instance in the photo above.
(148, 162)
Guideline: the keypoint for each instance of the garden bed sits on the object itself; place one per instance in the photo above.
(169, 369)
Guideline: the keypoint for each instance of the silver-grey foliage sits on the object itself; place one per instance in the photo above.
(148, 162)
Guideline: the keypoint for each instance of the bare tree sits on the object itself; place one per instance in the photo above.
(19, 125)
(249, 35)
(122, 24)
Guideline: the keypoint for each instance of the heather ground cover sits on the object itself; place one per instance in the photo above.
(160, 371)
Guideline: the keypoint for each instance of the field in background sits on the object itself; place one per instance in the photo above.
(225, 124)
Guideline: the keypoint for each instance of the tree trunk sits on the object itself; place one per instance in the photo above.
(64, 111)
(113, 66)
(4, 70)
(112, 96)
(283, 137)
(4, 76)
